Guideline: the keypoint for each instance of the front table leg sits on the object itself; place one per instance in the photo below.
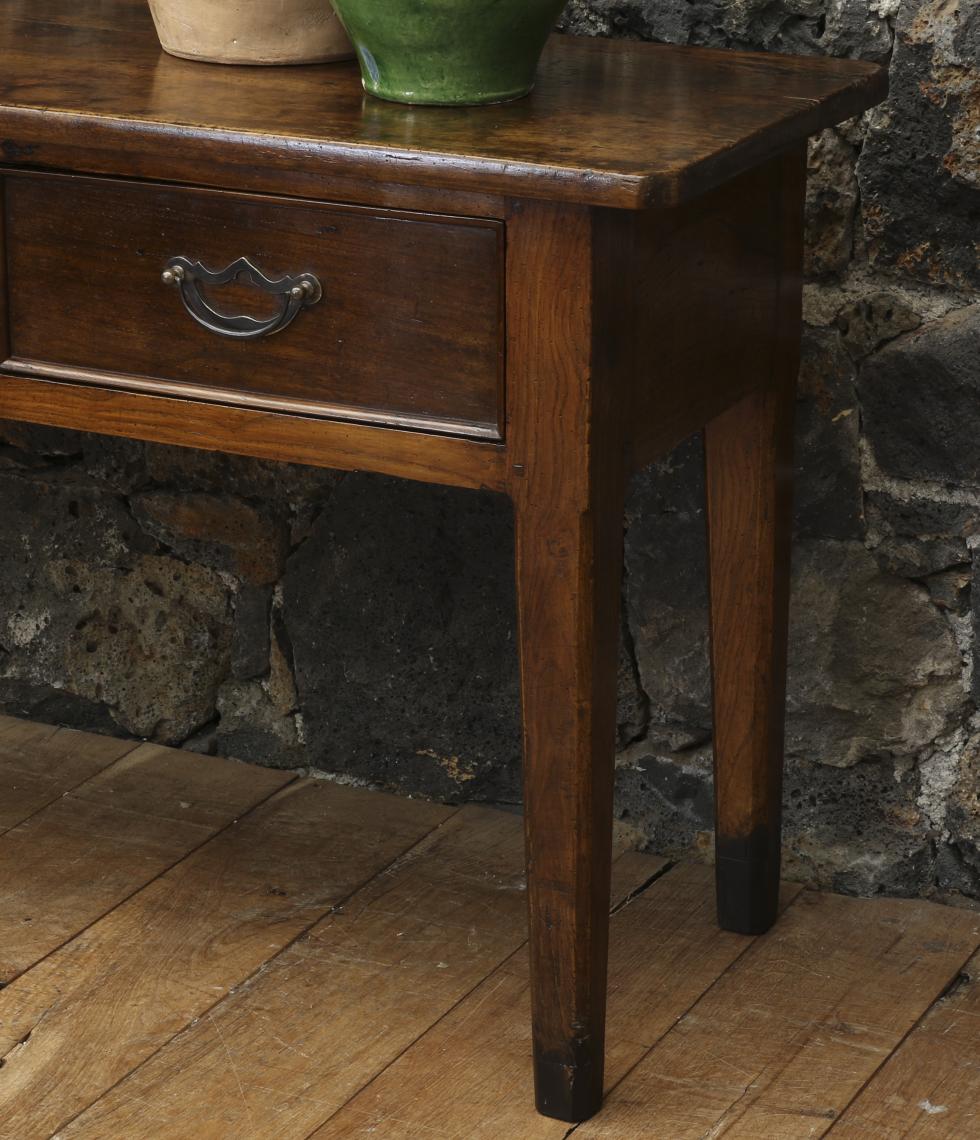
(568, 598)
(567, 487)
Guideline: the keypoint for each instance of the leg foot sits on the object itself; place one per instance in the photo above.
(569, 1089)
(747, 881)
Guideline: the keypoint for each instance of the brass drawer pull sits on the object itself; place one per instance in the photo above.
(294, 293)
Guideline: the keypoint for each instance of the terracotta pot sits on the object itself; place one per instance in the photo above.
(449, 51)
(251, 31)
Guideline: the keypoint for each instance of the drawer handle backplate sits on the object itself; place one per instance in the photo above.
(294, 293)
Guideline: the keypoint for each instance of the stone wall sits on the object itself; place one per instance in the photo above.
(363, 627)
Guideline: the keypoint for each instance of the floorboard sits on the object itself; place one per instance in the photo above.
(469, 1076)
(38, 764)
(82, 1019)
(930, 1088)
(779, 1046)
(401, 953)
(78, 857)
(202, 949)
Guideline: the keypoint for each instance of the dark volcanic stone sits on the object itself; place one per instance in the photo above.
(831, 203)
(89, 615)
(919, 170)
(667, 600)
(828, 501)
(42, 703)
(632, 705)
(400, 611)
(250, 636)
(853, 831)
(219, 531)
(919, 398)
(670, 800)
(873, 321)
(919, 537)
(874, 669)
(802, 27)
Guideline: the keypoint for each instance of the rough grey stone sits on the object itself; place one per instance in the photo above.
(249, 479)
(861, 29)
(975, 593)
(632, 705)
(250, 637)
(831, 204)
(957, 870)
(668, 800)
(873, 321)
(666, 595)
(918, 170)
(917, 537)
(828, 500)
(220, 531)
(919, 397)
(839, 27)
(400, 611)
(874, 669)
(854, 830)
(151, 641)
(41, 702)
(88, 613)
(257, 719)
(951, 590)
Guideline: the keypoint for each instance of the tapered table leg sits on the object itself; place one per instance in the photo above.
(749, 483)
(568, 590)
(749, 458)
(568, 493)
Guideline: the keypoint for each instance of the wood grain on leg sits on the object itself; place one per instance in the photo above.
(567, 486)
(748, 452)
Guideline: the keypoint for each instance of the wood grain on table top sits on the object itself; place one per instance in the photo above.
(84, 85)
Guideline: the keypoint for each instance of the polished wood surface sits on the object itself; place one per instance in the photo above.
(576, 281)
(252, 431)
(401, 1009)
(703, 286)
(408, 330)
(609, 123)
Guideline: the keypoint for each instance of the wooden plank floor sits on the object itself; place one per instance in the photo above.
(195, 948)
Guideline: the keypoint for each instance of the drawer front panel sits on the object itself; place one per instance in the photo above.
(408, 331)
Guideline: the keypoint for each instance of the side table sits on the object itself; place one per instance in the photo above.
(536, 298)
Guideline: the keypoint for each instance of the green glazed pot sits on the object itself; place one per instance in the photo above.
(448, 51)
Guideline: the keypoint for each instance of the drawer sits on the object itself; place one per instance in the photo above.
(405, 329)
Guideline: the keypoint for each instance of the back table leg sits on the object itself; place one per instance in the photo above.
(749, 468)
(748, 451)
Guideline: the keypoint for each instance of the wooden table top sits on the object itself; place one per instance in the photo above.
(84, 85)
